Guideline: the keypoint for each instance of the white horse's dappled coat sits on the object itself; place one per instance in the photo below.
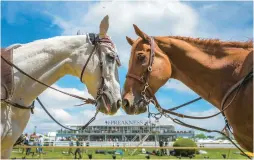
(48, 60)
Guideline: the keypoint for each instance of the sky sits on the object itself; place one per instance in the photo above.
(23, 22)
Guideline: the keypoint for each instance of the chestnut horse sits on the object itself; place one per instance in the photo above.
(209, 67)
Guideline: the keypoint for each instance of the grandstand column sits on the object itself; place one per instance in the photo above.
(105, 137)
(88, 137)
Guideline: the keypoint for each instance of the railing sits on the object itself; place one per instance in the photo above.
(120, 132)
(125, 147)
(129, 143)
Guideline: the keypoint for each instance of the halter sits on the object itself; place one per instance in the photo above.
(144, 79)
(103, 89)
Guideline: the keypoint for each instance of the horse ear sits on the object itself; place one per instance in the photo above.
(130, 41)
(140, 33)
(104, 26)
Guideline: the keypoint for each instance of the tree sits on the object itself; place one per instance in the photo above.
(200, 136)
(221, 138)
(211, 137)
(184, 142)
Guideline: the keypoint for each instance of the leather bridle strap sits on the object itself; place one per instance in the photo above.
(87, 61)
(141, 81)
(20, 106)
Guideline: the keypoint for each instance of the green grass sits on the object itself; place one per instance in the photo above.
(58, 154)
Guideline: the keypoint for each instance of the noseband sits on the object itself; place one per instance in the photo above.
(144, 79)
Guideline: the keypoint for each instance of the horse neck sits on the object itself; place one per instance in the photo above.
(46, 60)
(209, 75)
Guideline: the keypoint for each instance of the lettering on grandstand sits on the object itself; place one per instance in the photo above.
(126, 122)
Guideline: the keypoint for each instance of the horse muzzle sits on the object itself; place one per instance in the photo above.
(106, 103)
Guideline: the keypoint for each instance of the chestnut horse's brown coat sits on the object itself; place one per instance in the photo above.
(208, 67)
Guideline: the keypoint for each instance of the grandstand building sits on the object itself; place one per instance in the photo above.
(125, 129)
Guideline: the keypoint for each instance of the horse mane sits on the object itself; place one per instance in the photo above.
(215, 42)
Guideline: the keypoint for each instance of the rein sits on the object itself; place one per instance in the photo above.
(144, 79)
(90, 101)
(95, 41)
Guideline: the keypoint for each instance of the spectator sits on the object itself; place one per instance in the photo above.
(161, 145)
(40, 143)
(71, 145)
(36, 143)
(167, 150)
(87, 144)
(78, 150)
(28, 150)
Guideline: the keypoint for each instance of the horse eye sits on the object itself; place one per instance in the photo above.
(111, 58)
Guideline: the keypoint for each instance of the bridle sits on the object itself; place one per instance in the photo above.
(144, 80)
(102, 90)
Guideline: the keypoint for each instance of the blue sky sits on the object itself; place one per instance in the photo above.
(23, 22)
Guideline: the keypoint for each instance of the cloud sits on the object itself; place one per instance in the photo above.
(174, 18)
(207, 20)
(178, 86)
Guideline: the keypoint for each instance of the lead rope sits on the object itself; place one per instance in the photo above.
(82, 128)
(164, 111)
(86, 100)
(177, 121)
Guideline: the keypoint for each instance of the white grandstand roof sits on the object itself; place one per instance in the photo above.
(127, 120)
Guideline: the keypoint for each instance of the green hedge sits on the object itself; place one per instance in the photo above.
(184, 142)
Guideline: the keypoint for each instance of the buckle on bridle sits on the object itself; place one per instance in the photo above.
(143, 93)
(150, 69)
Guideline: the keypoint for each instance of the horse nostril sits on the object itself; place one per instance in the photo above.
(119, 104)
(126, 103)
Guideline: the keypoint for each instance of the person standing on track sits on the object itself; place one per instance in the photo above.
(78, 150)
(70, 149)
(40, 143)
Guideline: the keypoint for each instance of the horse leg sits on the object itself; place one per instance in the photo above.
(13, 123)
(6, 153)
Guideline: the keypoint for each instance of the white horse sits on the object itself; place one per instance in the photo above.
(50, 59)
